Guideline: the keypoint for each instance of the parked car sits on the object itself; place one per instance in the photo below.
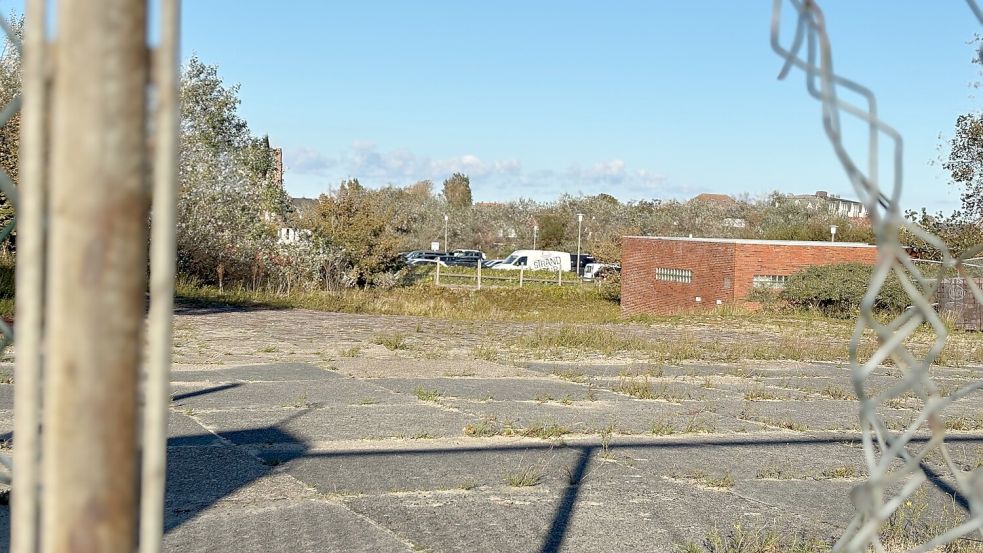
(414, 254)
(427, 261)
(461, 261)
(594, 271)
(468, 253)
(585, 260)
(491, 263)
(536, 260)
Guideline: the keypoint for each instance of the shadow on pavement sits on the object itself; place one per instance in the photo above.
(201, 475)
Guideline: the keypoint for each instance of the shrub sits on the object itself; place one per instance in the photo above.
(837, 290)
(610, 287)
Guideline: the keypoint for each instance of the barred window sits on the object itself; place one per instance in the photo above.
(769, 281)
(674, 275)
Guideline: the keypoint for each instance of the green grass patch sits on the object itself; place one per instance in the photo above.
(426, 394)
(571, 304)
(390, 340)
(485, 353)
(524, 478)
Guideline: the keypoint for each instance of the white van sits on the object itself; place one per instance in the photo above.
(536, 260)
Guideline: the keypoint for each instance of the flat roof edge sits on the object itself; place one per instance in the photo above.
(758, 242)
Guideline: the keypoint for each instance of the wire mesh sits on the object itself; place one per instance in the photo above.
(7, 187)
(895, 460)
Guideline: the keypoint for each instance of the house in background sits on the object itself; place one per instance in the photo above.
(834, 204)
(289, 233)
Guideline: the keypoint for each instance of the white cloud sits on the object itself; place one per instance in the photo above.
(492, 179)
(306, 161)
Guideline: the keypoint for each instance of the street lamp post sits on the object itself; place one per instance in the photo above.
(832, 233)
(580, 220)
(535, 231)
(446, 246)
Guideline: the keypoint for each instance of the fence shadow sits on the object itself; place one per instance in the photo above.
(201, 472)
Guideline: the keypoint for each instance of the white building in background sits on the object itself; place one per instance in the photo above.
(286, 235)
(835, 204)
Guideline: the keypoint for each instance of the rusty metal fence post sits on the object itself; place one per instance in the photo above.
(97, 277)
(82, 206)
(30, 283)
(162, 268)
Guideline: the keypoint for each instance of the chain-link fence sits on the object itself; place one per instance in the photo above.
(896, 461)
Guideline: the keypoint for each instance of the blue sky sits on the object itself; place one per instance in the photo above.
(639, 99)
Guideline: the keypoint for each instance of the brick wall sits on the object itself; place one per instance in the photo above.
(768, 260)
(721, 270)
(712, 264)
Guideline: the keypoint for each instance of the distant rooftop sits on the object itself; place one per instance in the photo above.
(301, 203)
(715, 198)
(760, 242)
(823, 195)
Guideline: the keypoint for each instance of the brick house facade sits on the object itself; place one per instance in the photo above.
(669, 275)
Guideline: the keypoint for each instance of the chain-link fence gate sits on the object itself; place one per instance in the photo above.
(98, 110)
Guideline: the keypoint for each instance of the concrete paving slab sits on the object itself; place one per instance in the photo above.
(353, 422)
(4, 528)
(819, 501)
(424, 464)
(183, 431)
(625, 416)
(479, 521)
(6, 424)
(815, 415)
(237, 395)
(775, 455)
(594, 368)
(665, 388)
(270, 372)
(609, 516)
(367, 367)
(201, 476)
(6, 396)
(490, 388)
(287, 526)
(667, 514)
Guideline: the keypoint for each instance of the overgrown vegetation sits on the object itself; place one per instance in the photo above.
(572, 304)
(524, 478)
(739, 539)
(837, 290)
(426, 394)
(7, 287)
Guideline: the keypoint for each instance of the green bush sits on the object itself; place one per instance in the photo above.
(610, 287)
(837, 290)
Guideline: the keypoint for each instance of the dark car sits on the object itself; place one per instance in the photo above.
(585, 258)
(425, 254)
(461, 261)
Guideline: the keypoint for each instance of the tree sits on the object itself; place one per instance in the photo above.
(228, 204)
(959, 232)
(356, 221)
(553, 227)
(457, 191)
(965, 162)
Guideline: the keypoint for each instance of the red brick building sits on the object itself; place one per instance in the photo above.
(668, 275)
